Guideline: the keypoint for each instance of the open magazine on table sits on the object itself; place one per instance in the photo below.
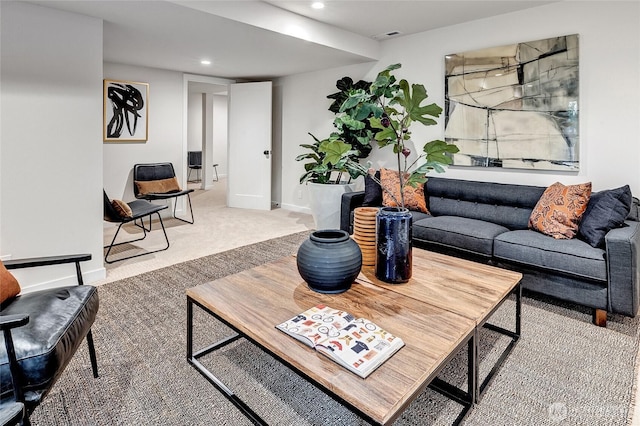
(355, 343)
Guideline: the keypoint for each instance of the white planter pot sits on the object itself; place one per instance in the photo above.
(325, 202)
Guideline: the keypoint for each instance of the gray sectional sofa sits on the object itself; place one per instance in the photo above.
(488, 222)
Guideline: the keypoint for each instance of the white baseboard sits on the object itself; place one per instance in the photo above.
(294, 208)
(87, 277)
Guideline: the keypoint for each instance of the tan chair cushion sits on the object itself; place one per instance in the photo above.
(160, 186)
(9, 287)
(122, 208)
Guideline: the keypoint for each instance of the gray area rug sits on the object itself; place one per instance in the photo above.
(563, 371)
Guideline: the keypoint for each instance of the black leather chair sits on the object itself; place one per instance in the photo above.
(12, 413)
(139, 210)
(194, 162)
(160, 173)
(41, 332)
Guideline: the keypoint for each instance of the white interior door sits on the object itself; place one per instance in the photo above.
(249, 151)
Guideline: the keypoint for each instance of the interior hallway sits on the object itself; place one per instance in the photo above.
(217, 228)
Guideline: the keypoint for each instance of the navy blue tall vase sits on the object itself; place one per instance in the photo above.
(329, 261)
(393, 245)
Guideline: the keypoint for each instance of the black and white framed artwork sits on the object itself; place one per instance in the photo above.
(126, 111)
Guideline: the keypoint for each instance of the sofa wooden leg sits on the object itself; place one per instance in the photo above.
(600, 317)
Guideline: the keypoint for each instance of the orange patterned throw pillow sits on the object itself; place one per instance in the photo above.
(559, 210)
(9, 287)
(413, 197)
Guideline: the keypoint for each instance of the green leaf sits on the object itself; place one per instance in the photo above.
(423, 169)
(314, 138)
(351, 123)
(416, 178)
(355, 97)
(439, 146)
(307, 156)
(364, 111)
(355, 169)
(380, 87)
(313, 148)
(411, 98)
(386, 134)
(334, 151)
(374, 122)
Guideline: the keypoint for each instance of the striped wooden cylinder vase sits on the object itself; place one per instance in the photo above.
(364, 233)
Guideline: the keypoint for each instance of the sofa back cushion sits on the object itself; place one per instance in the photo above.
(504, 204)
(634, 213)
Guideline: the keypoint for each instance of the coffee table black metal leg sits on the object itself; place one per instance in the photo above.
(515, 335)
(192, 358)
(466, 399)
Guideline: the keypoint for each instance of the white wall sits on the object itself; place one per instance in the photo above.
(194, 122)
(303, 109)
(609, 37)
(165, 143)
(220, 134)
(609, 90)
(51, 138)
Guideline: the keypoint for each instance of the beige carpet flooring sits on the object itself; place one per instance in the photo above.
(217, 228)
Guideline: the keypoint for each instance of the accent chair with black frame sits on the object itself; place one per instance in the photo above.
(157, 181)
(119, 212)
(41, 331)
(194, 162)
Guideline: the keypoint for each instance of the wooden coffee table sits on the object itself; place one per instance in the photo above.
(472, 290)
(254, 301)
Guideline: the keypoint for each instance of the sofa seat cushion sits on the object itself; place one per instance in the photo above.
(573, 257)
(59, 319)
(462, 233)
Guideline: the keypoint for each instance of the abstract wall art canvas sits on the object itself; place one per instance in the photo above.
(126, 106)
(515, 106)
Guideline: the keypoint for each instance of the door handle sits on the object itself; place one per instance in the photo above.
(266, 153)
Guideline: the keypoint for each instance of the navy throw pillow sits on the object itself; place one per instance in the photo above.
(606, 210)
(372, 191)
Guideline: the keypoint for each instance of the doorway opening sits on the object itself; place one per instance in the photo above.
(206, 133)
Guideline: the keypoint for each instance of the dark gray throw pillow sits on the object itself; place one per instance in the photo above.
(606, 210)
(372, 191)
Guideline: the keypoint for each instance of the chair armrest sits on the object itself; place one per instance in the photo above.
(623, 268)
(50, 260)
(348, 203)
(12, 413)
(12, 321)
(45, 261)
(7, 322)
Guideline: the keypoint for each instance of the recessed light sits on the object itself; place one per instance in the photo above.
(317, 5)
(205, 62)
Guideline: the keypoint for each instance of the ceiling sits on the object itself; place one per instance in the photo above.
(253, 40)
(375, 19)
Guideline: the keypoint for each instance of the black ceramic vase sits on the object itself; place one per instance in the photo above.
(393, 245)
(329, 261)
